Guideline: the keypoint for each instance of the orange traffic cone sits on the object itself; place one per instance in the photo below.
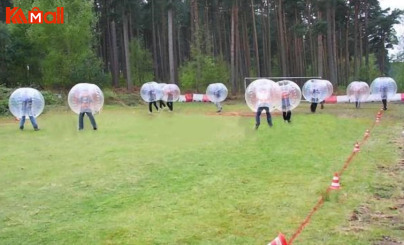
(335, 182)
(377, 119)
(356, 147)
(279, 240)
(367, 133)
(379, 114)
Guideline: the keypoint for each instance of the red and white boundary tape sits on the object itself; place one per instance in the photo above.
(193, 98)
(372, 98)
(331, 100)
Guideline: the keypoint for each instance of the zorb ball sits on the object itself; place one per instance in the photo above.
(151, 91)
(317, 90)
(383, 88)
(330, 88)
(26, 102)
(291, 95)
(358, 91)
(263, 93)
(161, 85)
(85, 97)
(216, 92)
(171, 93)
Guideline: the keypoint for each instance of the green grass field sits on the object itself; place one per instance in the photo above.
(193, 177)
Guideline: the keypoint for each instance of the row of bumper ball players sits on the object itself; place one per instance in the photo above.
(162, 93)
(261, 95)
(88, 99)
(84, 99)
(266, 95)
(381, 89)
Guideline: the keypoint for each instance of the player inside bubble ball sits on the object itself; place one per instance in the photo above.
(86, 104)
(263, 104)
(314, 99)
(152, 100)
(218, 94)
(26, 109)
(286, 112)
(383, 94)
(170, 98)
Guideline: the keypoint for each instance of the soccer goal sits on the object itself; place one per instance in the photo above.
(298, 80)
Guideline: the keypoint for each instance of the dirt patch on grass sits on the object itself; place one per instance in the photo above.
(387, 241)
(389, 200)
(239, 114)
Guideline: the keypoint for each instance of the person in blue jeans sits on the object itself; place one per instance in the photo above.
(26, 109)
(218, 105)
(262, 106)
(86, 108)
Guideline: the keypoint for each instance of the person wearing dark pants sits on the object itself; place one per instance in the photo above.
(313, 105)
(85, 108)
(258, 115)
(314, 100)
(90, 116)
(150, 106)
(170, 105)
(322, 104)
(170, 99)
(383, 94)
(152, 99)
(287, 114)
(161, 104)
(384, 101)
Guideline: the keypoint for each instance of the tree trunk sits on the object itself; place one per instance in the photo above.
(246, 48)
(257, 57)
(207, 38)
(114, 54)
(282, 39)
(330, 45)
(194, 19)
(356, 24)
(219, 32)
(269, 59)
(320, 54)
(171, 43)
(155, 55)
(366, 36)
(233, 47)
(334, 41)
(264, 69)
(347, 65)
(127, 51)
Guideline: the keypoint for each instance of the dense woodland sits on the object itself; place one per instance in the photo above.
(124, 43)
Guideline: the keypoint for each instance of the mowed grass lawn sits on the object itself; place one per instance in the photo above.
(193, 177)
